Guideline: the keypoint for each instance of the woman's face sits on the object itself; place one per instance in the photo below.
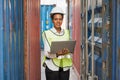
(57, 20)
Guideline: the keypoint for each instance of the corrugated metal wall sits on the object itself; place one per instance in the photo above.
(115, 39)
(76, 33)
(11, 40)
(1, 41)
(32, 39)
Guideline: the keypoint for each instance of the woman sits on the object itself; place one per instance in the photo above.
(57, 66)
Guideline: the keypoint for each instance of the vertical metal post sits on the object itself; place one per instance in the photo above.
(21, 77)
(12, 40)
(114, 25)
(1, 41)
(16, 41)
(93, 5)
(68, 9)
(118, 41)
(6, 39)
(86, 35)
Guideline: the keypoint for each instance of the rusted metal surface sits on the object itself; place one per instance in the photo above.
(11, 40)
(32, 39)
(26, 70)
(76, 33)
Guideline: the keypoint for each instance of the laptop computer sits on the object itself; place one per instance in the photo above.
(59, 45)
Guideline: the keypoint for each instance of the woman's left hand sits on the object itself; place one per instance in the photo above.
(65, 51)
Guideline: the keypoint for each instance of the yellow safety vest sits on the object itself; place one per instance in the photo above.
(51, 36)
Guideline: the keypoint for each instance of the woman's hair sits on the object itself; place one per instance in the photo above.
(56, 13)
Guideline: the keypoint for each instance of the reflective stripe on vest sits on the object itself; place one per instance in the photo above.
(51, 36)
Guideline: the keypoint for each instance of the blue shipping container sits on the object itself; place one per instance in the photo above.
(116, 40)
(46, 22)
(1, 41)
(11, 40)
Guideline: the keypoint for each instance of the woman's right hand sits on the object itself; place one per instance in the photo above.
(62, 52)
(59, 53)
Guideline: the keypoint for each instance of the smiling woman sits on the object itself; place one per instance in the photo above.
(60, 3)
(57, 66)
(57, 21)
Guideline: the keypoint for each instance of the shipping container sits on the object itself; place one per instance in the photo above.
(1, 41)
(11, 40)
(100, 29)
(32, 57)
(45, 20)
(115, 39)
(19, 35)
(76, 34)
(94, 25)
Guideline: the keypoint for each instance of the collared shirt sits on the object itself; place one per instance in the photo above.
(49, 63)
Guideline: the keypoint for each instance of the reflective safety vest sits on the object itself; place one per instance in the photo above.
(51, 36)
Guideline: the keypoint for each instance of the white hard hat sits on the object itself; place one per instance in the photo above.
(56, 10)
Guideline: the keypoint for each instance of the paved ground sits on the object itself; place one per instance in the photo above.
(72, 73)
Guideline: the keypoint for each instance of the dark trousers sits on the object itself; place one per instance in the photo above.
(57, 75)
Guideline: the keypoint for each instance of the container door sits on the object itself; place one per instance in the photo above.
(46, 22)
